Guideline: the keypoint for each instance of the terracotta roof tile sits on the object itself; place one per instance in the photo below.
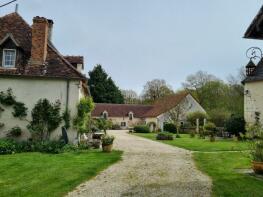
(165, 104)
(74, 59)
(121, 110)
(56, 66)
(141, 111)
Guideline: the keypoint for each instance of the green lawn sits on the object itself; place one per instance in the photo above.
(196, 144)
(221, 167)
(36, 174)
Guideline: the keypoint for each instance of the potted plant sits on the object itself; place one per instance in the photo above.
(256, 135)
(257, 156)
(107, 143)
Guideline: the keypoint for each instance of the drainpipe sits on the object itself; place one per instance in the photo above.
(67, 94)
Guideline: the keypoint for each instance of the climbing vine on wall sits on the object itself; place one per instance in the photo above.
(8, 99)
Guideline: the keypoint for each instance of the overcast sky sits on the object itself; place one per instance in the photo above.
(139, 40)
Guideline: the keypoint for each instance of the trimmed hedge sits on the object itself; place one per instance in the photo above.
(141, 129)
(169, 127)
(164, 136)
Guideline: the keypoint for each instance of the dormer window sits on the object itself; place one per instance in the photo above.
(105, 115)
(9, 58)
(130, 115)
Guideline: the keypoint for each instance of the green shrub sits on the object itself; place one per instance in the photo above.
(7, 146)
(191, 117)
(164, 136)
(169, 127)
(10, 146)
(70, 148)
(107, 140)
(45, 119)
(141, 129)
(115, 127)
(49, 146)
(235, 125)
(210, 126)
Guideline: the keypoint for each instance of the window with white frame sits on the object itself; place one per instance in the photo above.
(9, 58)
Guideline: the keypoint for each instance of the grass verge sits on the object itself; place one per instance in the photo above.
(223, 169)
(196, 144)
(36, 174)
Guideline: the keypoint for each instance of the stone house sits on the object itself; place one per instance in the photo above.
(253, 95)
(33, 68)
(129, 115)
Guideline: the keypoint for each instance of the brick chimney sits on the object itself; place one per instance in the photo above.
(40, 34)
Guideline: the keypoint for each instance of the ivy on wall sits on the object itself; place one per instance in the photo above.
(8, 99)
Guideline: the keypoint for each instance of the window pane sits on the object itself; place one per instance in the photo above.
(9, 57)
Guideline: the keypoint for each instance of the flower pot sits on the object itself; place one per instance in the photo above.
(107, 148)
(257, 167)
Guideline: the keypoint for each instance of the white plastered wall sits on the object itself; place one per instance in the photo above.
(29, 91)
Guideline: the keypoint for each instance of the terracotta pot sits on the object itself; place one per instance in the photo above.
(257, 167)
(107, 148)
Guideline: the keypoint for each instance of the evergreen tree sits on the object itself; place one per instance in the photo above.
(103, 88)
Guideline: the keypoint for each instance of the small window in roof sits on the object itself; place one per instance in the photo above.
(9, 58)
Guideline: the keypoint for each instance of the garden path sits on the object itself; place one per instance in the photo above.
(148, 168)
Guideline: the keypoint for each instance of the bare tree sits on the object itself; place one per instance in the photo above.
(178, 113)
(156, 89)
(236, 80)
(130, 97)
(196, 81)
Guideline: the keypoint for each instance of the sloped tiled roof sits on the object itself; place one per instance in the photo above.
(165, 104)
(255, 29)
(141, 111)
(121, 110)
(57, 66)
(74, 59)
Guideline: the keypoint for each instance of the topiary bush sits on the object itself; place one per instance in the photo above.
(141, 129)
(164, 136)
(235, 125)
(169, 127)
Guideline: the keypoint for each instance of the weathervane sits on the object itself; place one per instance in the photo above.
(254, 53)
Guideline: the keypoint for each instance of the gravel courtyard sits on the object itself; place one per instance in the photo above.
(149, 169)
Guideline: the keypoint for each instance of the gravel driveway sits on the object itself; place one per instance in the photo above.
(149, 169)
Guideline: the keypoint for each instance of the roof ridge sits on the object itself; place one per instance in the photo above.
(17, 14)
